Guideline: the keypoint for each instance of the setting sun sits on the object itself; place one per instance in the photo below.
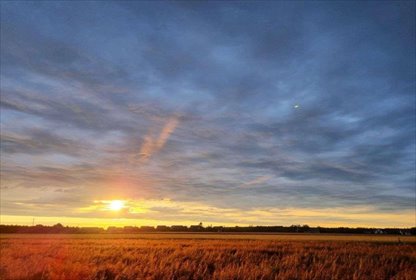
(116, 205)
(208, 140)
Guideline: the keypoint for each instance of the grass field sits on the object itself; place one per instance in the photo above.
(207, 256)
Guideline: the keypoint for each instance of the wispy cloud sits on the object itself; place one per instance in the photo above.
(74, 107)
(152, 144)
(257, 181)
(172, 211)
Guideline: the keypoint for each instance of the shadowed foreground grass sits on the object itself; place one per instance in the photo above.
(78, 258)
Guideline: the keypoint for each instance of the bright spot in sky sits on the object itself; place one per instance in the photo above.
(296, 106)
(116, 205)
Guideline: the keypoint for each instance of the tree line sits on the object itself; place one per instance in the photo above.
(59, 228)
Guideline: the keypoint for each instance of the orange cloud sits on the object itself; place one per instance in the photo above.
(152, 145)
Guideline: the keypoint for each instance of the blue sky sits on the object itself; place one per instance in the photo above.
(221, 112)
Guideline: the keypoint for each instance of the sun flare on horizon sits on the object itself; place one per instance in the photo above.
(116, 205)
(290, 113)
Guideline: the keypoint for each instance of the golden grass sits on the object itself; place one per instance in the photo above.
(63, 257)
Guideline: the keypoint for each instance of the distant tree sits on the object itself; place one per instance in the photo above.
(305, 228)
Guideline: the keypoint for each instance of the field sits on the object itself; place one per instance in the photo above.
(207, 256)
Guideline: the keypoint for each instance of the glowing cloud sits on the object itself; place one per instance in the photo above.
(168, 211)
(152, 145)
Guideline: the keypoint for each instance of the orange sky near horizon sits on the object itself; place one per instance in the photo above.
(221, 112)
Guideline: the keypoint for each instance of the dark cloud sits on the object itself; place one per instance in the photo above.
(316, 97)
(38, 142)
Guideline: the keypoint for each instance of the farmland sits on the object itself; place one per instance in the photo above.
(207, 256)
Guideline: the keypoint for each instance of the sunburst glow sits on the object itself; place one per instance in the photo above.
(116, 205)
(273, 122)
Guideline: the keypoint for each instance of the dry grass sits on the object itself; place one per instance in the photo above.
(120, 258)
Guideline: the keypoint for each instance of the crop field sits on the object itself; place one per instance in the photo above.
(207, 256)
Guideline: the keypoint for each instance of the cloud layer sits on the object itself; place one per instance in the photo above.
(238, 107)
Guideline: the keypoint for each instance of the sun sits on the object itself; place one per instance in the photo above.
(116, 205)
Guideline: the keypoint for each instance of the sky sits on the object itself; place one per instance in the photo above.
(226, 113)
